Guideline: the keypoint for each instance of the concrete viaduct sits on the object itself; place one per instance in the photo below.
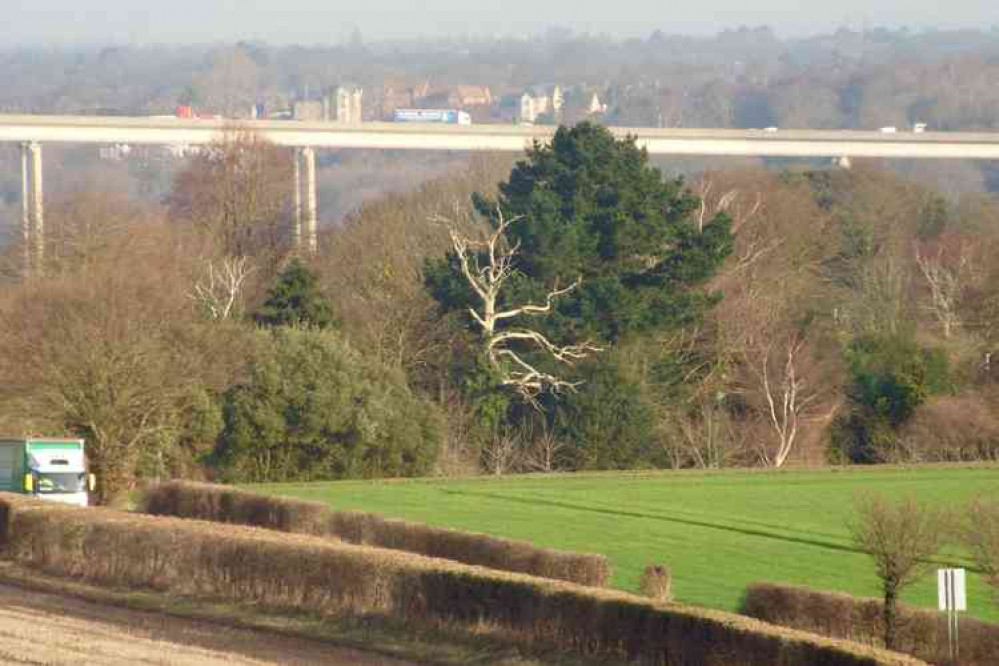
(31, 131)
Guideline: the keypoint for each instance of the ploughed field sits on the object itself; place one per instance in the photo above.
(717, 531)
(40, 628)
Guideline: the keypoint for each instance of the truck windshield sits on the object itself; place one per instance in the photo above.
(62, 482)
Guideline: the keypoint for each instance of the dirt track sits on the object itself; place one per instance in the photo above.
(37, 628)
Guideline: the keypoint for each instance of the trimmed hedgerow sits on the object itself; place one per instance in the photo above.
(310, 574)
(228, 505)
(922, 633)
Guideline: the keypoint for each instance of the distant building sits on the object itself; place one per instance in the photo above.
(596, 106)
(342, 104)
(308, 110)
(397, 94)
(473, 96)
(580, 103)
(539, 100)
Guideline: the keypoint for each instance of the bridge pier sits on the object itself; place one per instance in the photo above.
(297, 222)
(309, 226)
(32, 207)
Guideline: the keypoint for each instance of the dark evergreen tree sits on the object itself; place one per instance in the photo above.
(590, 206)
(295, 300)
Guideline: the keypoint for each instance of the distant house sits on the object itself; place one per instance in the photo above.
(595, 106)
(538, 100)
(581, 102)
(456, 97)
(473, 96)
(420, 90)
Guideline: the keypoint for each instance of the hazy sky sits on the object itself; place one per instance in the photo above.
(325, 21)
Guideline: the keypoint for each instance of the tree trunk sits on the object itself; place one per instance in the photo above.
(890, 616)
(112, 479)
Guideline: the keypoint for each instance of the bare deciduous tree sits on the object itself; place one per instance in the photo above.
(787, 394)
(501, 453)
(710, 439)
(239, 191)
(542, 454)
(900, 536)
(739, 208)
(945, 283)
(377, 288)
(773, 359)
(487, 265)
(106, 358)
(218, 292)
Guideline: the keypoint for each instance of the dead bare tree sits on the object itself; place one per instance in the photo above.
(543, 452)
(773, 360)
(501, 453)
(709, 437)
(487, 265)
(219, 290)
(731, 202)
(787, 396)
(945, 288)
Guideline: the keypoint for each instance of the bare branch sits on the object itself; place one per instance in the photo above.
(487, 282)
(219, 291)
(945, 288)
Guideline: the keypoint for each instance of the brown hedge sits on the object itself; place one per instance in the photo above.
(229, 505)
(306, 573)
(922, 633)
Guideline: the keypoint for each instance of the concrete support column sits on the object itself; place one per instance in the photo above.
(296, 232)
(38, 204)
(32, 208)
(25, 210)
(311, 207)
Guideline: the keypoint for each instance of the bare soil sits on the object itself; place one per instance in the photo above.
(47, 629)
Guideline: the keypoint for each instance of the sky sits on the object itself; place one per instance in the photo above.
(93, 22)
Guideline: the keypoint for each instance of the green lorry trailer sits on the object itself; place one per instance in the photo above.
(47, 468)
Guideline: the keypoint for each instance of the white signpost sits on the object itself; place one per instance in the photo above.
(953, 598)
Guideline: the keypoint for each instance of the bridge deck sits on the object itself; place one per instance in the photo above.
(501, 138)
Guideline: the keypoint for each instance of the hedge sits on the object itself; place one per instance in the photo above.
(229, 505)
(311, 574)
(922, 633)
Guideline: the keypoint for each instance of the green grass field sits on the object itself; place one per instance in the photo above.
(718, 531)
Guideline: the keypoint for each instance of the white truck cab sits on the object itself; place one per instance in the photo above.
(51, 469)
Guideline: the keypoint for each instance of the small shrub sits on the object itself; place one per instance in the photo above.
(901, 537)
(657, 583)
